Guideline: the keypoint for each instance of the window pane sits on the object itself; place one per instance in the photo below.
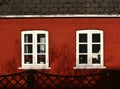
(95, 58)
(28, 38)
(28, 59)
(83, 59)
(41, 38)
(82, 37)
(95, 37)
(41, 48)
(95, 48)
(28, 49)
(41, 59)
(82, 48)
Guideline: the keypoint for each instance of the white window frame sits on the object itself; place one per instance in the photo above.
(35, 65)
(89, 64)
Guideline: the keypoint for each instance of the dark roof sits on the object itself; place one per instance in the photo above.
(53, 7)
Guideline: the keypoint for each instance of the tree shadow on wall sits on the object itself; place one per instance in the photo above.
(11, 65)
(61, 60)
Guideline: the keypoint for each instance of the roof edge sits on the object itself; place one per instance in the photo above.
(58, 16)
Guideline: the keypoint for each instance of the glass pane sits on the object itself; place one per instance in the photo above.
(82, 48)
(95, 48)
(28, 59)
(41, 38)
(82, 37)
(28, 38)
(95, 37)
(41, 59)
(83, 59)
(28, 49)
(95, 58)
(41, 48)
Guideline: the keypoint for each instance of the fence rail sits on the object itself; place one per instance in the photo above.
(32, 79)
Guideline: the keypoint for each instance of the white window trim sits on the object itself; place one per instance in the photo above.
(34, 65)
(89, 65)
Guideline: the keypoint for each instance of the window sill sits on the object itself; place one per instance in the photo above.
(90, 67)
(34, 67)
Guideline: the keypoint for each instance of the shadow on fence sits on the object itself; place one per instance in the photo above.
(32, 79)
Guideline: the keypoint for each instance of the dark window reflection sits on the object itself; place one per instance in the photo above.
(28, 38)
(95, 37)
(41, 48)
(28, 49)
(96, 59)
(82, 48)
(83, 59)
(82, 37)
(28, 59)
(41, 59)
(40, 38)
(95, 48)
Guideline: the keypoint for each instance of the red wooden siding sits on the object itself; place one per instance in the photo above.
(62, 41)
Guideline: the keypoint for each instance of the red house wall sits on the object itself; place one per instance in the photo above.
(62, 42)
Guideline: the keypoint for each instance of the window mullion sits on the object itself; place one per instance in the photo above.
(101, 52)
(89, 48)
(35, 48)
(47, 51)
(77, 47)
(22, 49)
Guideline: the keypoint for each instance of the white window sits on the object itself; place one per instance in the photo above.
(34, 50)
(89, 49)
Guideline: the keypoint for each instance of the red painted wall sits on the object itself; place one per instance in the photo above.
(62, 39)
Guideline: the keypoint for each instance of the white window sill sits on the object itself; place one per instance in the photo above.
(34, 67)
(89, 67)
